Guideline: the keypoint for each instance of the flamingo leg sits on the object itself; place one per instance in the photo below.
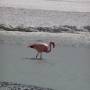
(40, 56)
(40, 60)
(37, 55)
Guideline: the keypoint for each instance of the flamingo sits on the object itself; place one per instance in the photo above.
(42, 48)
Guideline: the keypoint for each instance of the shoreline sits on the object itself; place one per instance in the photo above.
(64, 39)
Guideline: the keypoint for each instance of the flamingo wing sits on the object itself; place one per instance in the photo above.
(40, 47)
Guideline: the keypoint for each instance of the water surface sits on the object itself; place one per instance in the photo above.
(65, 68)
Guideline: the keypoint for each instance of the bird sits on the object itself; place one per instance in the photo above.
(42, 47)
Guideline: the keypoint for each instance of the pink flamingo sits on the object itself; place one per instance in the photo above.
(42, 47)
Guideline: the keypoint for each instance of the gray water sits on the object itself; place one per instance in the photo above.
(65, 68)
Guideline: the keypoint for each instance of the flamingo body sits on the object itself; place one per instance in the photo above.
(40, 47)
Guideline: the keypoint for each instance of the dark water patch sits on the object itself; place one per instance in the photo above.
(15, 86)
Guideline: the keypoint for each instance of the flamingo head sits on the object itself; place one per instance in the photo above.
(53, 44)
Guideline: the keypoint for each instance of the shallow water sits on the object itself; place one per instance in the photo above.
(65, 68)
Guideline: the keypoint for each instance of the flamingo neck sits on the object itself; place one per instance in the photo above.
(49, 50)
